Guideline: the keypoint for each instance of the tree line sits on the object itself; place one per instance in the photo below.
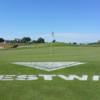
(23, 40)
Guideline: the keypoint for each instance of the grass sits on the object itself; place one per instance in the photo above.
(57, 89)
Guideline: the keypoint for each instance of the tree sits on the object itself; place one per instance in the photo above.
(26, 39)
(74, 43)
(53, 41)
(34, 41)
(1, 40)
(40, 40)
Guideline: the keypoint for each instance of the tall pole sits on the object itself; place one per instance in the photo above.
(53, 41)
(53, 37)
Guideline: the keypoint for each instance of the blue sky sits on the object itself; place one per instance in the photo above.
(71, 20)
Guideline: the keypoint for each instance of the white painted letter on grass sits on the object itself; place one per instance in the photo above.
(73, 77)
(48, 77)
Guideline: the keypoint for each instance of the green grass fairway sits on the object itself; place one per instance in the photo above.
(57, 89)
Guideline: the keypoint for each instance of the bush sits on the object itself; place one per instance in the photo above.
(15, 46)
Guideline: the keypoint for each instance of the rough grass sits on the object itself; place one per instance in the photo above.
(58, 89)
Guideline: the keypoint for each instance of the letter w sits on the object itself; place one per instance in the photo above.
(73, 77)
